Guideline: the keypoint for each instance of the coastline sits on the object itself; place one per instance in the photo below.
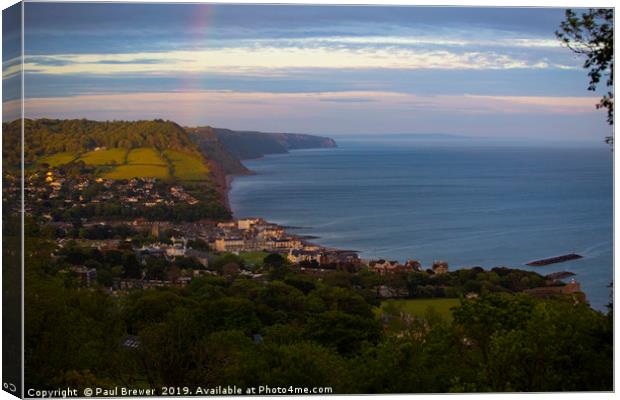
(458, 264)
(228, 186)
(228, 180)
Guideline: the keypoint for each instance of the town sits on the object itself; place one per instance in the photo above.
(199, 244)
(146, 233)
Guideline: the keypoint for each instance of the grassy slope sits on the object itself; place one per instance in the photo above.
(54, 160)
(105, 157)
(187, 167)
(146, 156)
(129, 171)
(140, 162)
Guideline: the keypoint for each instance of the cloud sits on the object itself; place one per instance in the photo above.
(333, 112)
(11, 67)
(347, 99)
(193, 107)
(259, 60)
(417, 39)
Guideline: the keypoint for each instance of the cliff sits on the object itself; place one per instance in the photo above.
(203, 155)
(249, 144)
(213, 149)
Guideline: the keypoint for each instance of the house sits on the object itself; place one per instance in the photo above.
(383, 267)
(247, 223)
(440, 267)
(284, 243)
(415, 265)
(299, 255)
(87, 276)
(340, 257)
(269, 231)
(178, 248)
(231, 243)
(153, 250)
(572, 288)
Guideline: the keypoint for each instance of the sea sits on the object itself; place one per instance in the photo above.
(467, 202)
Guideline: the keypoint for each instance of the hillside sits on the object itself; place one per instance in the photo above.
(249, 144)
(117, 149)
(157, 148)
(49, 136)
(214, 150)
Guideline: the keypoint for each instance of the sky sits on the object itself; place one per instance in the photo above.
(340, 70)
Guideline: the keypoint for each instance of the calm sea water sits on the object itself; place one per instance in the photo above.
(469, 205)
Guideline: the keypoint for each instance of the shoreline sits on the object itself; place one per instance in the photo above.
(231, 177)
(366, 255)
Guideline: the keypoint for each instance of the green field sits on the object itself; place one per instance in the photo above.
(57, 159)
(117, 163)
(252, 258)
(138, 171)
(105, 157)
(146, 156)
(187, 167)
(418, 307)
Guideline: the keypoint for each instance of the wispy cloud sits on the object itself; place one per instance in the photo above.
(11, 67)
(217, 104)
(334, 112)
(417, 39)
(240, 60)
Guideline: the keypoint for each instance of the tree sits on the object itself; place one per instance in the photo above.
(305, 364)
(345, 333)
(519, 343)
(592, 35)
(273, 260)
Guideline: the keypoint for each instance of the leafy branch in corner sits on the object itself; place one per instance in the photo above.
(592, 35)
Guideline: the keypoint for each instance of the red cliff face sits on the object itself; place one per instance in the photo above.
(221, 181)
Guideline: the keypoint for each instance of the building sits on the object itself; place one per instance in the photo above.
(414, 265)
(232, 244)
(299, 255)
(384, 267)
(155, 229)
(201, 256)
(87, 276)
(225, 225)
(152, 250)
(440, 267)
(269, 231)
(178, 248)
(340, 257)
(570, 289)
(284, 243)
(248, 223)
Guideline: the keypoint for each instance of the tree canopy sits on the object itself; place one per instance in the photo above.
(592, 35)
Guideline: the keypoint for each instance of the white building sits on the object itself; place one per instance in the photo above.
(247, 223)
(178, 248)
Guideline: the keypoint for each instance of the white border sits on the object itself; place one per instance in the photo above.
(465, 3)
